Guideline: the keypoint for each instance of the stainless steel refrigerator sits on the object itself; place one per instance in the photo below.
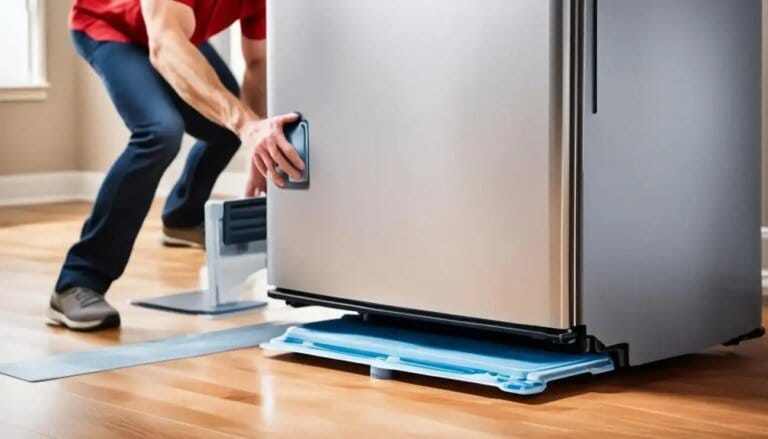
(583, 172)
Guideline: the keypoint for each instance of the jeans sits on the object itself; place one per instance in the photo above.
(157, 119)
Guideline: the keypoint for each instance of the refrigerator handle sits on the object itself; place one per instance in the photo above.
(297, 134)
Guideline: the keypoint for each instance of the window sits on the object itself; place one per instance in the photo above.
(22, 70)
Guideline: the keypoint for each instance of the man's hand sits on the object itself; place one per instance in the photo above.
(257, 183)
(270, 149)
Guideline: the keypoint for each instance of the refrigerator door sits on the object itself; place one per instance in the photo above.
(671, 174)
(438, 179)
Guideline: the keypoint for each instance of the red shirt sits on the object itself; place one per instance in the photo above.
(121, 20)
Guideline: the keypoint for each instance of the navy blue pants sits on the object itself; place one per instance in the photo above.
(157, 119)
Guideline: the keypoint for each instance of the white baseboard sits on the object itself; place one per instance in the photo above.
(54, 187)
(42, 188)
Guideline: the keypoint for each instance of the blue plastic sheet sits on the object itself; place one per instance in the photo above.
(515, 369)
(154, 351)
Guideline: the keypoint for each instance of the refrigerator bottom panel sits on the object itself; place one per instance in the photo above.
(299, 298)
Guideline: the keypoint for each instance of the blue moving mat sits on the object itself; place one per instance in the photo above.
(155, 351)
(514, 369)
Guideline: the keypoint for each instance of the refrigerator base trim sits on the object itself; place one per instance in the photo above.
(298, 298)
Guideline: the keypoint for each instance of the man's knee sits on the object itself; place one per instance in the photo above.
(220, 137)
(162, 138)
(228, 139)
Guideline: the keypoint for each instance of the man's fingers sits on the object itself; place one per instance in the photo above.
(254, 186)
(269, 166)
(250, 188)
(285, 165)
(275, 177)
(262, 187)
(287, 118)
(259, 164)
(290, 153)
(265, 163)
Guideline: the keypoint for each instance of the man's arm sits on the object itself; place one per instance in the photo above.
(254, 90)
(254, 94)
(169, 27)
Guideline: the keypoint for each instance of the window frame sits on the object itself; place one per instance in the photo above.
(37, 85)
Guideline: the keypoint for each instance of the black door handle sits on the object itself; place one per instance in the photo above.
(297, 134)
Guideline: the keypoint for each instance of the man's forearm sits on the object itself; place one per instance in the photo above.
(254, 90)
(190, 75)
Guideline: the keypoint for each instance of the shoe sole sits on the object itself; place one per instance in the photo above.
(59, 319)
(178, 242)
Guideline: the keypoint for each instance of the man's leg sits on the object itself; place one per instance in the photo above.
(148, 109)
(207, 159)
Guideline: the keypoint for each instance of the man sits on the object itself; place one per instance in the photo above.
(164, 79)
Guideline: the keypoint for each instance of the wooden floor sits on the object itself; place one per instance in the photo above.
(719, 393)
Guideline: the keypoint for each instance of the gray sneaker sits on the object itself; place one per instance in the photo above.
(184, 236)
(82, 309)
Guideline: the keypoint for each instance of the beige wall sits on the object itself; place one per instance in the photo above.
(40, 136)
